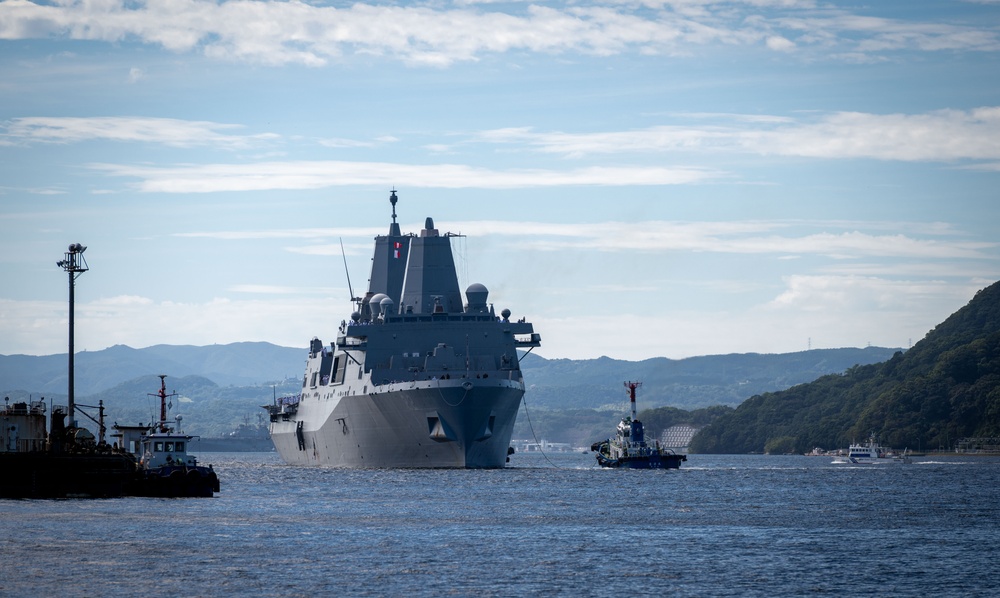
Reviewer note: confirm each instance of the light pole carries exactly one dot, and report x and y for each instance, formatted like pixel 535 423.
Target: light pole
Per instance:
pixel 75 265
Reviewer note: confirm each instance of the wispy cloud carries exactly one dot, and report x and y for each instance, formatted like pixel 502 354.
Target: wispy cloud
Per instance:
pixel 142 322
pixel 939 136
pixel 296 233
pixel 967 138
pixel 806 311
pixel 936 136
pixel 264 289
pixel 857 293
pixel 272 32
pixel 166 131
pixel 209 178
pixel 737 238
pixel 837 240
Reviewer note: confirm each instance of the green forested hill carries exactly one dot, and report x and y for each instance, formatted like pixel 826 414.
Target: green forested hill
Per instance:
pixel 945 388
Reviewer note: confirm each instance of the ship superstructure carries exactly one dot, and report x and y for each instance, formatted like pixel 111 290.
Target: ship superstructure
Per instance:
pixel 417 377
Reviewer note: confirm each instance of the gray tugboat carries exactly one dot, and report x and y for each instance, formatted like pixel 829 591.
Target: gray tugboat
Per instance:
pixel 165 467
pixel 417 377
pixel 629 448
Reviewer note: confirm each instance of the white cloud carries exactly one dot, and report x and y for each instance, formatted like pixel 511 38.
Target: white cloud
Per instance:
pixel 880 34
pixel 897 302
pixel 713 237
pixel 345 143
pixel 939 136
pixel 265 289
pixel 943 135
pixel 270 32
pixel 821 313
pixel 837 240
pixel 286 321
pixel 776 42
pixel 166 131
pixel 209 178
pixel 297 233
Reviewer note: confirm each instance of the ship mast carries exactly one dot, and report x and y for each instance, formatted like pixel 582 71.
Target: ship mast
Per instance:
pixel 394 228
pixel 631 386
pixel 163 403
pixel 74 265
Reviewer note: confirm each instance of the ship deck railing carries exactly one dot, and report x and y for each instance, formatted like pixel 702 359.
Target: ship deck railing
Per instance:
pixel 26 445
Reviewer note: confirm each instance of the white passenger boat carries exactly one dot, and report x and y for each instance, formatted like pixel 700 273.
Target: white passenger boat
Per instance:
pixel 872 453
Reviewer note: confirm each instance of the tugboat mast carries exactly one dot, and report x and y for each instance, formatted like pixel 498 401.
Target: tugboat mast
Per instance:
pixel 163 403
pixel 75 265
pixel 631 386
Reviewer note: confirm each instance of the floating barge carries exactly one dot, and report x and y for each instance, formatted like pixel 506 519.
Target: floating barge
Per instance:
pixel 68 461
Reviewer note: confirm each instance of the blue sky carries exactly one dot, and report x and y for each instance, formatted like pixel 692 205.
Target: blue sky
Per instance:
pixel 638 179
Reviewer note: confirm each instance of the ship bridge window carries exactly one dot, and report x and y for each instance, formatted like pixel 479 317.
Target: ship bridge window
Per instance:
pixel 158 447
pixel 339 369
pixel 179 447
pixel 168 447
pixel 324 368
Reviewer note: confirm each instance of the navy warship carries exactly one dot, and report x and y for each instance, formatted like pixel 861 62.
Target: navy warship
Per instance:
pixel 416 378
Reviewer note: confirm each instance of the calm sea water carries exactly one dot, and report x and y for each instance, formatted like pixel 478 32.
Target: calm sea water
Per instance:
pixel 720 526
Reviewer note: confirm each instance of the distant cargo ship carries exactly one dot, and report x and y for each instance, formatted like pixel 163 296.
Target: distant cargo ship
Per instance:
pixel 246 438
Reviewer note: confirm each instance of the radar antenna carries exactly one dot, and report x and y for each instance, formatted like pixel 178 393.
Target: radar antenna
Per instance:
pixel 350 289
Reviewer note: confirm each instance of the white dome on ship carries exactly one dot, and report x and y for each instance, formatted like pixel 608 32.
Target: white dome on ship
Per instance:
pixel 476 296
pixel 387 304
pixel 375 303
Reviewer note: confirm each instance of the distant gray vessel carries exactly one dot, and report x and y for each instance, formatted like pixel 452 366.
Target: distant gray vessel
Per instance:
pixel 416 378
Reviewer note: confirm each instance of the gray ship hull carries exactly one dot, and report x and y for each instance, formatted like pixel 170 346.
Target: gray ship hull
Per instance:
pixel 433 425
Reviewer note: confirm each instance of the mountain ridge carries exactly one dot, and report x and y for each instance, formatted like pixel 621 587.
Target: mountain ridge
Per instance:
pixel 223 386
pixel 555 383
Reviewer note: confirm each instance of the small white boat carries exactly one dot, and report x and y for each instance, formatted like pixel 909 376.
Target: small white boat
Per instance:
pixel 871 453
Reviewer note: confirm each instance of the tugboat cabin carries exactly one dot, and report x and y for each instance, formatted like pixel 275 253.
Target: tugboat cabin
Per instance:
pixel 155 449
pixel 159 450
